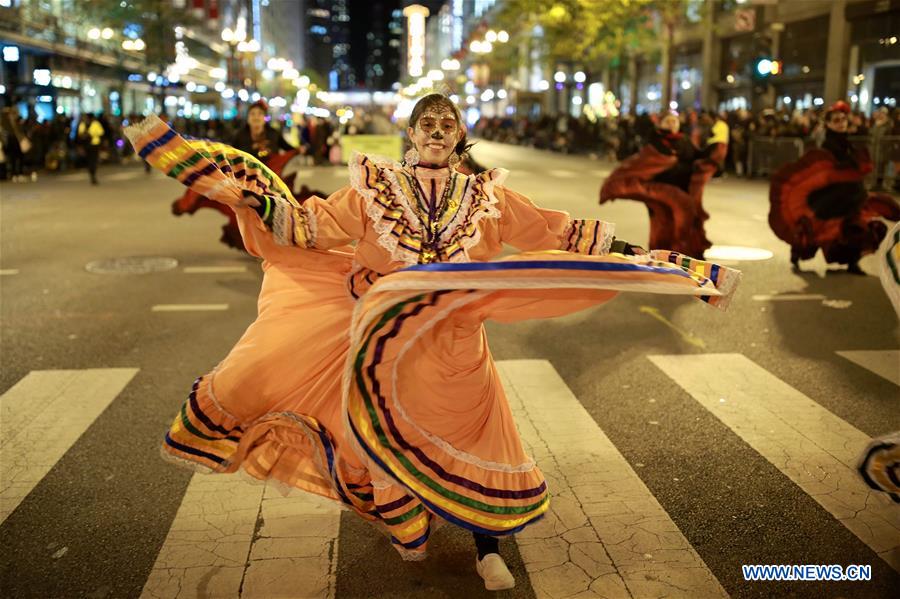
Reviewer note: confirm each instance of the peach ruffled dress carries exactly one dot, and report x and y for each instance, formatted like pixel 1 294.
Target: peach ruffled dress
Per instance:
pixel 366 377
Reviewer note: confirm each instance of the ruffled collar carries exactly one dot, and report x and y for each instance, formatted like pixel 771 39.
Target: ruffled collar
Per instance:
pixel 387 188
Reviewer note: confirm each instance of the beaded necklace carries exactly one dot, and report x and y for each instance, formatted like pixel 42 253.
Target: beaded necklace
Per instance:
pixel 431 221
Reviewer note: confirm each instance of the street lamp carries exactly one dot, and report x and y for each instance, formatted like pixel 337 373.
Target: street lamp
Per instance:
pixel 237 45
pixel 415 25
pixel 250 47
pixel 137 44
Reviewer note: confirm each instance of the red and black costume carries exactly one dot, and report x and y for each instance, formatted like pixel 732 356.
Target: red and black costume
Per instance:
pixel 820 202
pixel 668 176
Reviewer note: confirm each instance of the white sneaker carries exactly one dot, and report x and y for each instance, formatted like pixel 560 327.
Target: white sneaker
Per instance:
pixel 493 570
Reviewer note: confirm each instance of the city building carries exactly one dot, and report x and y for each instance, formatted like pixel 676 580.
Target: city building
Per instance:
pixel 200 58
pixel 326 26
pixel 380 24
pixel 724 54
pixel 824 51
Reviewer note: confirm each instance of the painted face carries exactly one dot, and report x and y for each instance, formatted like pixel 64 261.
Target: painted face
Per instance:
pixel 670 123
pixel 436 134
pixel 838 122
pixel 256 118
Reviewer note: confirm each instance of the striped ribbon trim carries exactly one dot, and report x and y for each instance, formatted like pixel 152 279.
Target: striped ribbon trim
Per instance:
pixel 589 237
pixel 220 172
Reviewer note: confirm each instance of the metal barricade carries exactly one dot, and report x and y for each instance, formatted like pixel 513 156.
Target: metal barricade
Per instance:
pixel 884 153
pixel 766 155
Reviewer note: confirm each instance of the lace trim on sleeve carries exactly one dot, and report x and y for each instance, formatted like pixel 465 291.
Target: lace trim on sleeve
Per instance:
pixel 293 225
pixel 588 236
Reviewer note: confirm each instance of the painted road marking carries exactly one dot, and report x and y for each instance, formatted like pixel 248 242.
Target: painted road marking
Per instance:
pixel 884 362
pixel 9 271
pixel 605 534
pixel 188 307
pixel 209 270
pixel 789 297
pixel 561 173
pixel 214 549
pixel 736 252
pixel 125 176
pixel 42 416
pixel 689 338
pixel 814 448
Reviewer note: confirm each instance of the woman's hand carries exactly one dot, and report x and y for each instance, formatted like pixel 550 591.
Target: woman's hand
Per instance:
pixel 620 246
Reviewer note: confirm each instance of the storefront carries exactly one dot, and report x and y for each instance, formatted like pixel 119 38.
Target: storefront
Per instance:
pixel 874 70
pixel 735 85
pixel 687 76
pixel 802 44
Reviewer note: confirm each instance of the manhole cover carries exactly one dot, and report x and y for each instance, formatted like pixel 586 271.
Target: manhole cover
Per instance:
pixel 131 265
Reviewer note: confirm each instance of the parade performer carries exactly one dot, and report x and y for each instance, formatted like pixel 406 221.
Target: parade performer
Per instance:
pixel 820 201
pixel 366 377
pixel 263 141
pixel 668 176
pixel 258 137
pixel 879 464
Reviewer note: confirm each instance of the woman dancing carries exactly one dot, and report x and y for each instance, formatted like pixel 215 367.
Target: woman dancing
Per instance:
pixel 366 377
pixel 820 201
pixel 668 176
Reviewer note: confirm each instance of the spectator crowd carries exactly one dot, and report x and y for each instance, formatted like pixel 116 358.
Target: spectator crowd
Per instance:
pixel 28 145
pixel 617 138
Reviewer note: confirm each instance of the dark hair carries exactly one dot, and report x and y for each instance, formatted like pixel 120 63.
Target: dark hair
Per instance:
pixel 260 104
pixel 442 101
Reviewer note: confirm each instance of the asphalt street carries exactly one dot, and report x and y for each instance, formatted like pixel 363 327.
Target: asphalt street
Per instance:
pixel 748 486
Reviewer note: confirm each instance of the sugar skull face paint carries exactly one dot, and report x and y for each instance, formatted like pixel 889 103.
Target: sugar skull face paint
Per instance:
pixel 435 130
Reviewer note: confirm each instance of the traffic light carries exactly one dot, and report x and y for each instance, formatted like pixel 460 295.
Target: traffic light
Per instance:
pixel 764 67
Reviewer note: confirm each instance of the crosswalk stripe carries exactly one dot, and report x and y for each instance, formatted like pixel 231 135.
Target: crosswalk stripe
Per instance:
pixel 9 271
pixel 605 534
pixel 807 443
pixel 885 362
pixel 42 416
pixel 214 549
pixel 561 173
pixel 188 307
pixel 124 176
pixel 209 270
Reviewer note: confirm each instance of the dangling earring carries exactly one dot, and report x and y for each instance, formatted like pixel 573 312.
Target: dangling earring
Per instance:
pixel 411 158
pixel 454 161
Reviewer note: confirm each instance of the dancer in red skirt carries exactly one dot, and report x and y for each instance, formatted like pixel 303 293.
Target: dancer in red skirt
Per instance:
pixel 668 176
pixel 820 201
